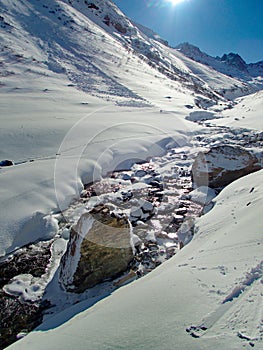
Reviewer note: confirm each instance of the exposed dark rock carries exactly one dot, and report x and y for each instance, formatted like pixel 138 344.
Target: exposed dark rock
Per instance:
pixel 32 259
pixel 98 250
pixel 17 316
pixel 233 59
pixel 140 173
pixel 107 20
pixel 6 162
pixel 222 165
pixel 120 28
pixel 92 6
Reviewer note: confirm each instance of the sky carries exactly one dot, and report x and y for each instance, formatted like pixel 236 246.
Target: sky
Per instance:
pixel 215 26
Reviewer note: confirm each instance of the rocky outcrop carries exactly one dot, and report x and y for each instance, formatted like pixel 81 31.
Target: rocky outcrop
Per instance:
pixel 222 165
pixel 120 28
pixel 234 60
pixel 99 249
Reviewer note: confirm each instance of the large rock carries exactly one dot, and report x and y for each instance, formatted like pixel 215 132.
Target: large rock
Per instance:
pixel 222 165
pixel 99 249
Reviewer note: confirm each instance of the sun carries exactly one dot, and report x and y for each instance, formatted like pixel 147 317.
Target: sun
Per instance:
pixel 174 2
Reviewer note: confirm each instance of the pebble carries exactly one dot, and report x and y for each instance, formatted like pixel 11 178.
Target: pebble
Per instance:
pixel 140 173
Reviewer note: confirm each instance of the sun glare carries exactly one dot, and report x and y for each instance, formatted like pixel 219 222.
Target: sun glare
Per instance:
pixel 174 2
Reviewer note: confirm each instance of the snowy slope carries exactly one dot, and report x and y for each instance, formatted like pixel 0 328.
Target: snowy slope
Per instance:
pixel 97 138
pixel 226 85
pixel 211 290
pixel 48 109
pixel 83 91
pixel 247 113
pixel 37 62
pixel 50 51
pixel 87 41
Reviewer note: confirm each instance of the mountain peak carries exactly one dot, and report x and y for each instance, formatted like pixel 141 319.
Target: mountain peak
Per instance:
pixel 231 64
pixel 235 60
pixel 189 48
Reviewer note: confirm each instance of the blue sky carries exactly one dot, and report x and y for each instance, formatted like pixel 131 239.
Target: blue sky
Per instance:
pixel 215 26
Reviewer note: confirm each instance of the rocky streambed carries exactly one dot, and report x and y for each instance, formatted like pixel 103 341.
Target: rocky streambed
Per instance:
pixel 122 227
pixel 17 315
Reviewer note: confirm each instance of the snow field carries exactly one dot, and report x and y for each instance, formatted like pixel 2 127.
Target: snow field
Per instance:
pixel 189 290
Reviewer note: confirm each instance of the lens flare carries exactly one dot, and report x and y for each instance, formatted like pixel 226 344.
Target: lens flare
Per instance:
pixel 174 2
pixel 162 3
pixel 155 3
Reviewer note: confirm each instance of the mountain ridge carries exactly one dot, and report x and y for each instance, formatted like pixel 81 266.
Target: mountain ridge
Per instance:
pixel 85 39
pixel 95 108
pixel 239 68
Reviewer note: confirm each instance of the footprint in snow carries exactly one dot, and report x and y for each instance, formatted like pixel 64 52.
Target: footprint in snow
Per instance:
pixel 196 331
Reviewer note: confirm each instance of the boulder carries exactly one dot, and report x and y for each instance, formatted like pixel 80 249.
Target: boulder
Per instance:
pixel 99 249
pixel 222 165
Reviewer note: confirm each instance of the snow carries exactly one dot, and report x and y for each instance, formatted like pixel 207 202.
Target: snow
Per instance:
pixel 80 99
pixel 82 158
pixel 199 286
pixel 31 289
pixel 247 113
pixel 233 88
pixel 55 132
pixel 82 138
pixel 202 195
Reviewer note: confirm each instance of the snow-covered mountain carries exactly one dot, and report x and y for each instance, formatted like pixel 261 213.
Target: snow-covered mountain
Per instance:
pixel 230 64
pixel 84 93
pixel 86 40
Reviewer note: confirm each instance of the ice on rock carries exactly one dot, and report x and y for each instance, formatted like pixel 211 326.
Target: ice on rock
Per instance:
pixel 185 232
pixel 25 286
pixel 151 236
pixel 136 212
pixel 65 233
pixel 146 206
pixel 135 240
pixel 140 173
pixel 126 176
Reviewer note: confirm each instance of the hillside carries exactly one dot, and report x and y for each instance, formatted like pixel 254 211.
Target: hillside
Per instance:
pixel 97 109
pixel 86 41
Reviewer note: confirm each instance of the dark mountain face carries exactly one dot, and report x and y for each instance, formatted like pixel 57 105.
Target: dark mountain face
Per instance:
pixel 233 59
